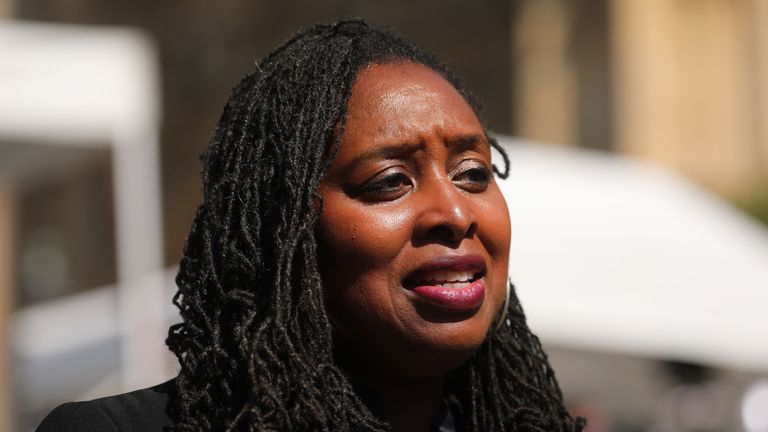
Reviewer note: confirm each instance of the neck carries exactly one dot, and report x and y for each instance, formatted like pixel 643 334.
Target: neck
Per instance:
pixel 407 405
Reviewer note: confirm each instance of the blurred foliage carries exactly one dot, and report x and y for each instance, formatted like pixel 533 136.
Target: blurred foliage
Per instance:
pixel 756 202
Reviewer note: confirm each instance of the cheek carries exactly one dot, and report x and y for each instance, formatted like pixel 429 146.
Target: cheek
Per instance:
pixel 362 234
pixel 357 249
pixel 495 226
pixel 495 232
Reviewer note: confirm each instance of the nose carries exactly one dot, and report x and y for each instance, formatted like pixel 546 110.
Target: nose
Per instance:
pixel 447 215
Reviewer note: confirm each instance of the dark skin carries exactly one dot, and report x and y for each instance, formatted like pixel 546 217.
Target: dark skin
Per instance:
pixel 412 183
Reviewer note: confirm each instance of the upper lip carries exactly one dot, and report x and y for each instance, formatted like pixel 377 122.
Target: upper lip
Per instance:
pixel 473 263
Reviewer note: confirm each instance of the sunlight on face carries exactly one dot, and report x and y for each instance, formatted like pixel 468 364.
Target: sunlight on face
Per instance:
pixel 414 233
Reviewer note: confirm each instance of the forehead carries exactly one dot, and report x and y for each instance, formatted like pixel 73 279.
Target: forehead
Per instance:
pixel 405 102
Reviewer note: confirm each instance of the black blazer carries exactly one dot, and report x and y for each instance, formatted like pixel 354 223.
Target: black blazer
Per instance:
pixel 141 410
pixel 146 411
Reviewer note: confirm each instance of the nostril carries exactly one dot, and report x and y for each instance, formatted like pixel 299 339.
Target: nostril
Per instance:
pixel 440 232
pixel 471 231
pixel 447 233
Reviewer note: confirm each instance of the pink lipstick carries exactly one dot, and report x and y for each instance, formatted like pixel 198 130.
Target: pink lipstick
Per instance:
pixel 450 282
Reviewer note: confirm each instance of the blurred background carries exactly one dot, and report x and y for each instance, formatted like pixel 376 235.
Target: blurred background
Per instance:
pixel 638 189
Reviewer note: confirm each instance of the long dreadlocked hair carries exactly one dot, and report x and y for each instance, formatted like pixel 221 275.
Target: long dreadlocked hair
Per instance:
pixel 255 342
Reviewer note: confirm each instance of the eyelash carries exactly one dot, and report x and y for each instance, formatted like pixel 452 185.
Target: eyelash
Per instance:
pixel 382 188
pixel 390 186
pixel 479 183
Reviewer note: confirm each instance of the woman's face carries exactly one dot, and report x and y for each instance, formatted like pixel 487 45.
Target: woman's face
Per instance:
pixel 414 232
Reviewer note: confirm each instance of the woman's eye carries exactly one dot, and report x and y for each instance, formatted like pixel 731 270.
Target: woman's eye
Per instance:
pixel 387 187
pixel 474 179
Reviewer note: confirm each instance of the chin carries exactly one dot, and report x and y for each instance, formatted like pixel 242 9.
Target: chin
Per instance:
pixel 448 346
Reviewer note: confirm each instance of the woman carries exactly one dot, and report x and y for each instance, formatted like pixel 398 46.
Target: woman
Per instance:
pixel 347 269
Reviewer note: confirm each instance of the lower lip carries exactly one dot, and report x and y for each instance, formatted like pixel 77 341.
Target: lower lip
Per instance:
pixel 468 297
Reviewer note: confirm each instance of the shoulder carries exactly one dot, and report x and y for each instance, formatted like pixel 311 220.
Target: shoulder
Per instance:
pixel 140 410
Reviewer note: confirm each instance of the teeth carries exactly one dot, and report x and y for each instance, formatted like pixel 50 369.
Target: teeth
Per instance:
pixel 449 279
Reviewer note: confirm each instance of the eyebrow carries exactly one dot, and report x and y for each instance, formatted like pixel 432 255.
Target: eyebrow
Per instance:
pixel 395 151
pixel 399 151
pixel 466 142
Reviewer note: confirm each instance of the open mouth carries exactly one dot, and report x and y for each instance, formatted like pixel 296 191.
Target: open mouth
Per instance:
pixel 446 279
pixel 455 283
